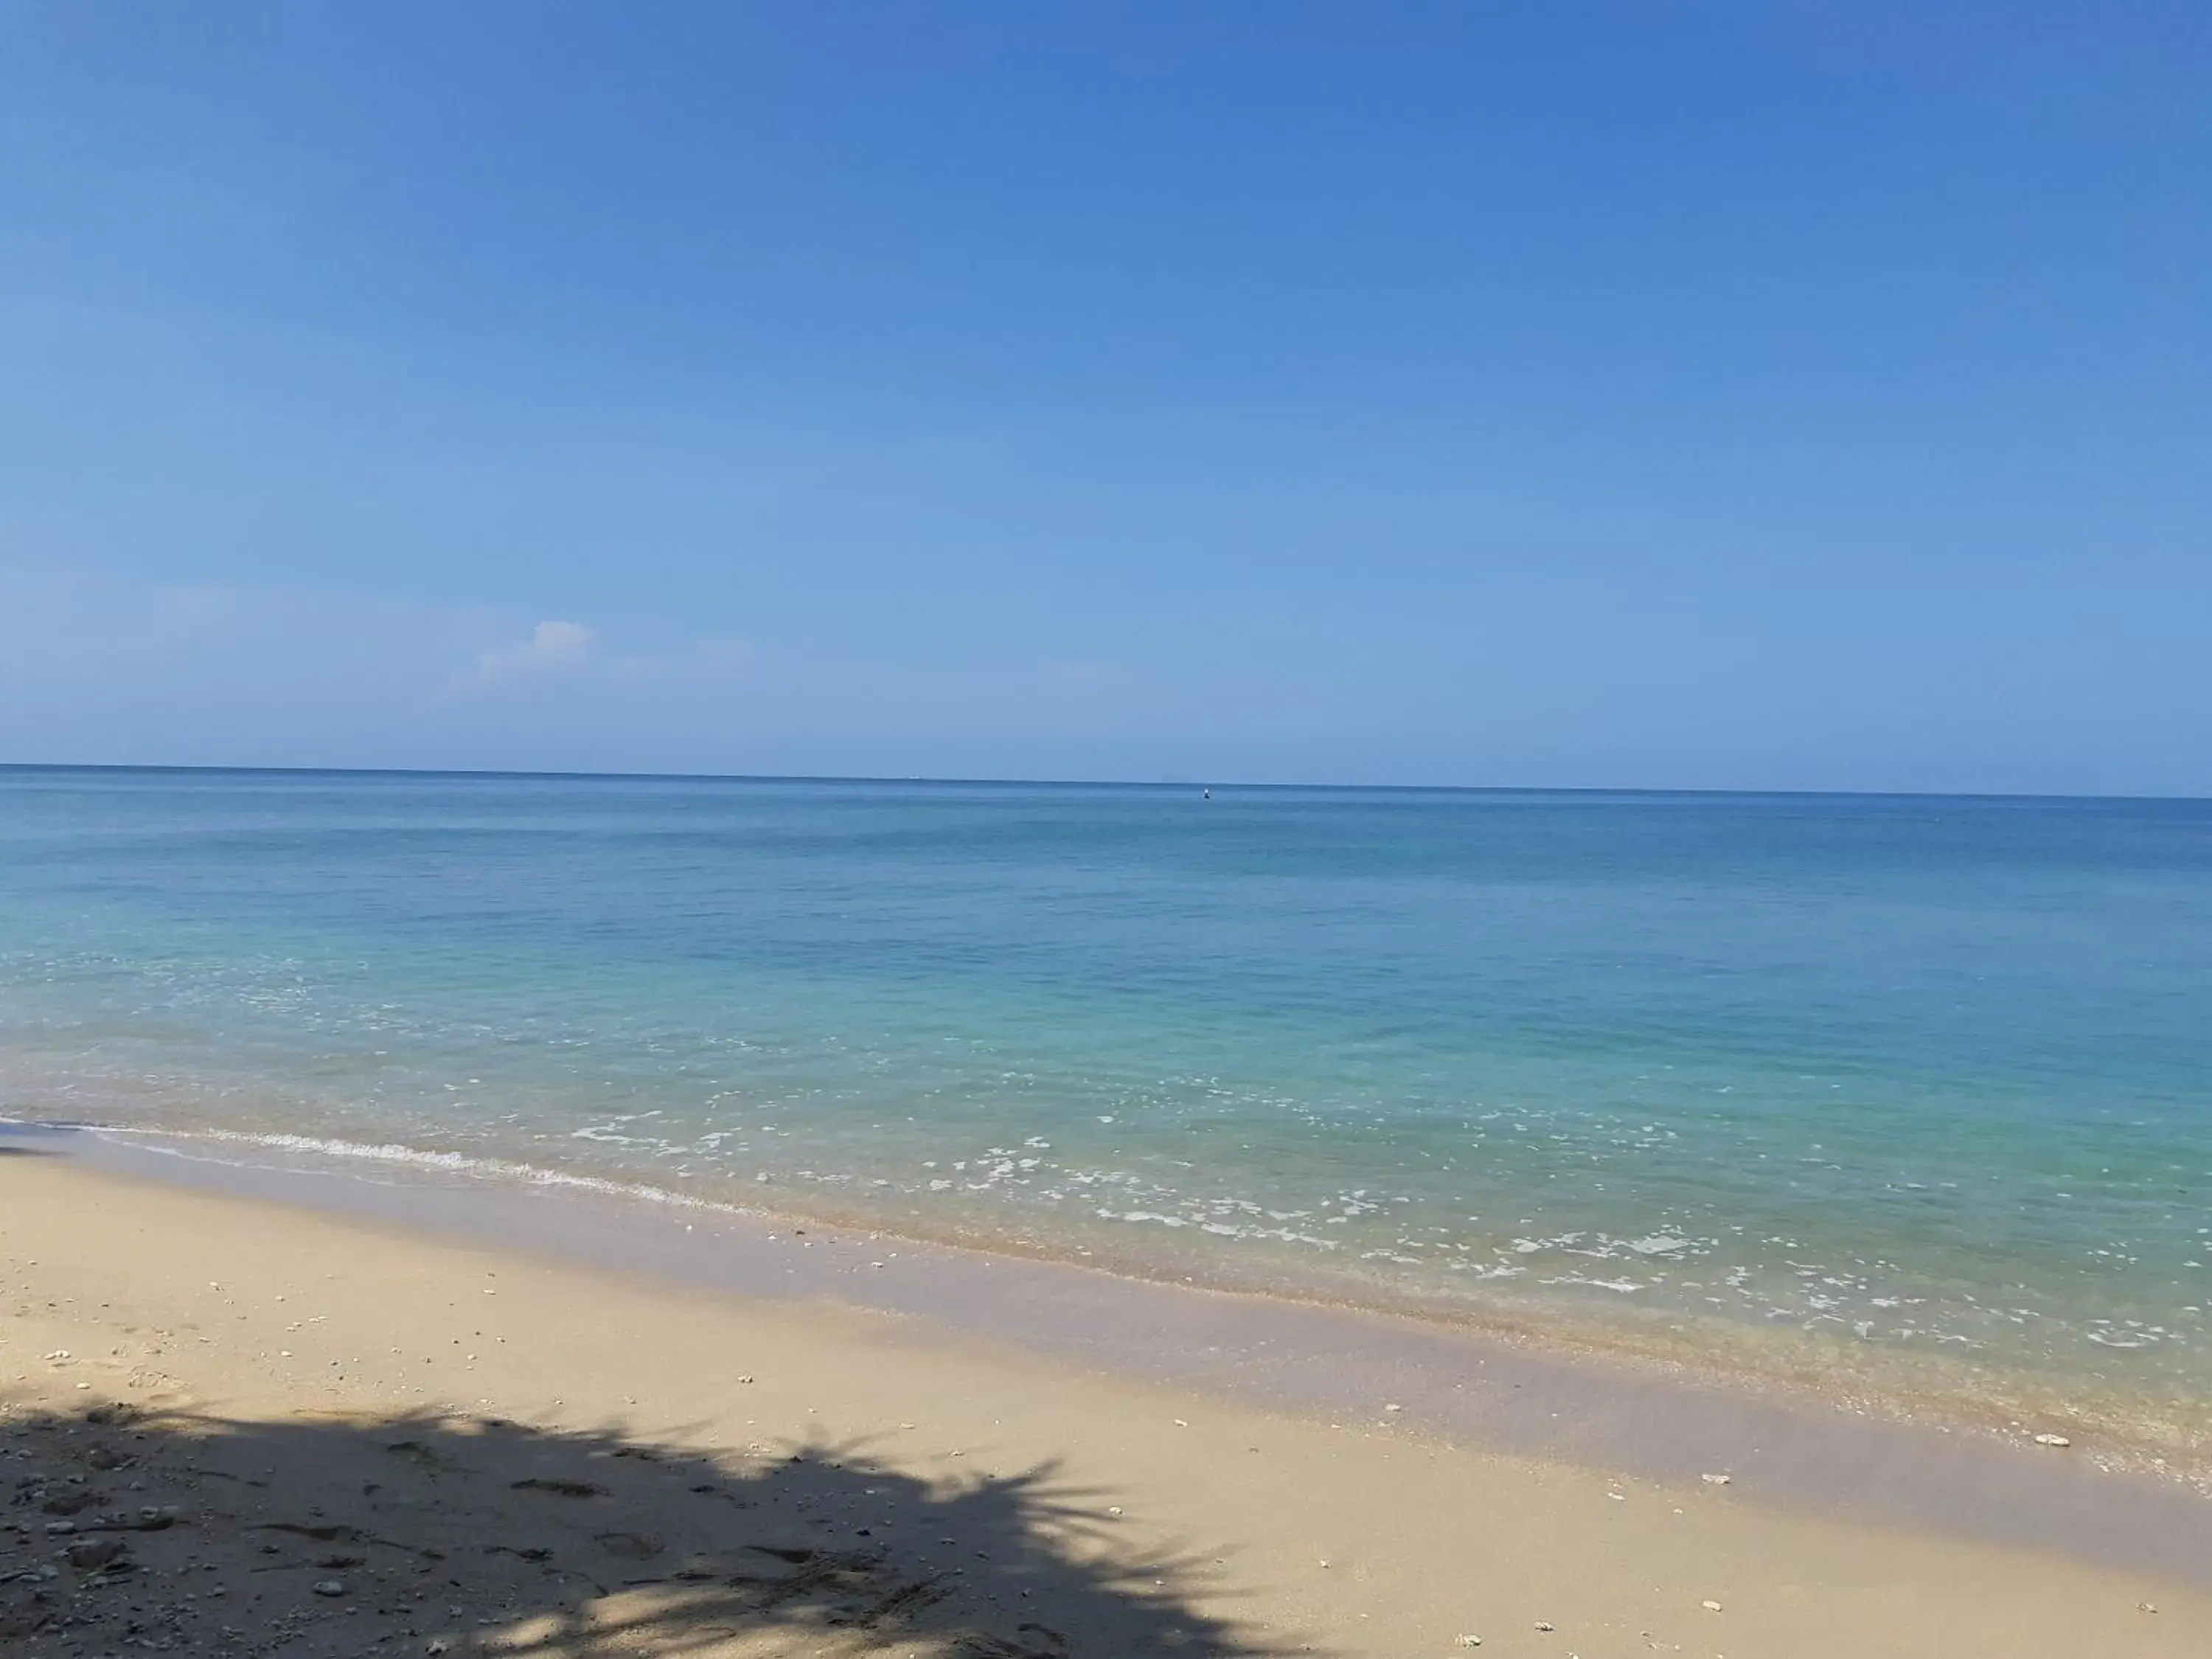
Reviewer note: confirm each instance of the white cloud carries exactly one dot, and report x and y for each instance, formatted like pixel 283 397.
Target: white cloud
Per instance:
pixel 552 646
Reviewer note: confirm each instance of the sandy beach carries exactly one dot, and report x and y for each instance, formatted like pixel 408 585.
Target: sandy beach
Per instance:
pixel 238 1426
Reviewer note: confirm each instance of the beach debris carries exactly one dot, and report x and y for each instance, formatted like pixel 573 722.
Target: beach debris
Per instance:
pixel 1394 1409
pixel 2145 1607
pixel 2052 1440
pixel 1545 1624
pixel 330 1586
pixel 1710 1607
pixel 321 1535
pixel 1113 1508
pixel 1714 1479
pixel 1467 1641
pixel 744 1379
pixel 436 1645
pixel 152 1518
pixel 1181 1423
pixel 95 1552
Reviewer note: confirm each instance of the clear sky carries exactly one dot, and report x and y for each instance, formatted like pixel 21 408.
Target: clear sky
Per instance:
pixel 1764 395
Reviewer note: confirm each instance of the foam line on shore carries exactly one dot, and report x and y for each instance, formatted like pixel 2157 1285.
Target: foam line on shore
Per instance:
pixel 1338 1363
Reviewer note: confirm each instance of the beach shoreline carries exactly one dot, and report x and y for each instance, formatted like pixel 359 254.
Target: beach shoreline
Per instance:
pixel 1785 1383
pixel 1683 1088
pixel 1108 1382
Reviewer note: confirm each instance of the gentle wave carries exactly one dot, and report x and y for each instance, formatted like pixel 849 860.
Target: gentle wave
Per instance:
pixel 416 1157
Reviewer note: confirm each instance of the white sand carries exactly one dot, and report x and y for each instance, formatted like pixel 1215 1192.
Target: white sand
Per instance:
pixel 308 1395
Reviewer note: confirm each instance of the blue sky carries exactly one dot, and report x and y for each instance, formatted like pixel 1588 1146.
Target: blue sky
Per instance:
pixel 1780 395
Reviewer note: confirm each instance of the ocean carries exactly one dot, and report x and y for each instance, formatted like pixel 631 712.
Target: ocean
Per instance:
pixel 1907 1100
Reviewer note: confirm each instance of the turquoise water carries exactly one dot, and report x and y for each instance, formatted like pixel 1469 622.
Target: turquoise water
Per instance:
pixel 1907 1090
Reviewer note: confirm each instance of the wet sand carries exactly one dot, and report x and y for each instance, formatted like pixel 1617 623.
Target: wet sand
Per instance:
pixel 480 1419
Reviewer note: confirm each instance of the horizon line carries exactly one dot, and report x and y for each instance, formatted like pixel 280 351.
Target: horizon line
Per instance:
pixel 570 775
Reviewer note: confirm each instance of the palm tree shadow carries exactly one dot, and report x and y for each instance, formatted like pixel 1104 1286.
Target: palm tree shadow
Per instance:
pixel 428 1534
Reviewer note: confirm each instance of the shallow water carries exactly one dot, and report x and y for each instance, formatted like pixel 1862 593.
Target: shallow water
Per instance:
pixel 1916 1093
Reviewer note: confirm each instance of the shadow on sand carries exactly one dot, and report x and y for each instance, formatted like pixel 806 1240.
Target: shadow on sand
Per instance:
pixel 360 1536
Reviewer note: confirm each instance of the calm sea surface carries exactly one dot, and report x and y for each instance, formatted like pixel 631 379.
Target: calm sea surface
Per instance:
pixel 1914 1095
